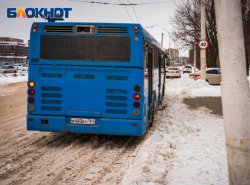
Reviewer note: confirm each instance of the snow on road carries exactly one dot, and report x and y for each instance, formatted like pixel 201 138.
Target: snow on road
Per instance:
pixel 6 78
pixel 188 146
pixel 184 146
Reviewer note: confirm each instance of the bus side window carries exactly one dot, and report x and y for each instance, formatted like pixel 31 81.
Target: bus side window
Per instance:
pixel 145 68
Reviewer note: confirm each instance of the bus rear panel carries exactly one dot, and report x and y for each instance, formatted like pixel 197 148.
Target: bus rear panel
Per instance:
pixel 86 80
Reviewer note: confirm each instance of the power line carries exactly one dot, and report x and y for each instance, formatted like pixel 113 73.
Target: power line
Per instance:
pixel 127 12
pixel 134 12
pixel 122 4
pixel 157 26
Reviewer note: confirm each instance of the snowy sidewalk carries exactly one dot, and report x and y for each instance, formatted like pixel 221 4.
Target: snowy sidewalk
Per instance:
pixel 6 78
pixel 188 147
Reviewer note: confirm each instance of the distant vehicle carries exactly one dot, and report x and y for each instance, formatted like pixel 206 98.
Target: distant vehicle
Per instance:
pixel 18 66
pixel 187 69
pixel 25 68
pixel 173 72
pixel 213 76
pixel 8 69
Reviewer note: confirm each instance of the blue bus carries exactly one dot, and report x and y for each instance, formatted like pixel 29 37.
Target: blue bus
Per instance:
pixel 94 78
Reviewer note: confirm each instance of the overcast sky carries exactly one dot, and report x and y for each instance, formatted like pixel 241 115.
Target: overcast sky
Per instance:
pixel 155 14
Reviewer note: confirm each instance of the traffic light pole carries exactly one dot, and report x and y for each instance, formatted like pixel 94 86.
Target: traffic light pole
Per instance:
pixel 234 89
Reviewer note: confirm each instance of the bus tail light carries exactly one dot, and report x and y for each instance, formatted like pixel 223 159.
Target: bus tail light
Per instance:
pixel 31 92
pixel 35 25
pixel 137 104
pixel 31 84
pixel 44 122
pixel 136 112
pixel 137 96
pixel 137 88
pixel 31 99
pixel 136 27
pixel 31 108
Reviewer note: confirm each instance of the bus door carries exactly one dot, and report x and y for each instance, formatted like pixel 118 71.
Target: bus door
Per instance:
pixel 150 81
pixel 160 75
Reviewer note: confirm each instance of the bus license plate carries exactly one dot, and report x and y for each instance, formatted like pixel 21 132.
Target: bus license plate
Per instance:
pixel 83 121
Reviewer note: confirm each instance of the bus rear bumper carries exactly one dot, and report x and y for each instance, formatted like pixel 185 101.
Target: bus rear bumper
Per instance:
pixel 101 126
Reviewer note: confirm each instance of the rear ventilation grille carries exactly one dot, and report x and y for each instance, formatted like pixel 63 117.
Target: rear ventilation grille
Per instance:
pixel 52 75
pixel 110 104
pixel 51 108
pixel 51 95
pixel 122 98
pixel 47 88
pixel 116 111
pixel 117 91
pixel 58 29
pixel 123 78
pixel 56 102
pixel 84 76
pixel 112 30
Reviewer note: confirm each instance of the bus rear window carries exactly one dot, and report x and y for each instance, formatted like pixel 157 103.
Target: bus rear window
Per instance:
pixel 85 48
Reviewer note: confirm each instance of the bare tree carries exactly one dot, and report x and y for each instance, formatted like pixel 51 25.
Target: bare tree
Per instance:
pixel 186 22
pixel 245 9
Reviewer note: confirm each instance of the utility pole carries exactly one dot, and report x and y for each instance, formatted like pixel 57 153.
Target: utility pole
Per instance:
pixel 203 36
pixel 234 89
pixel 162 35
pixel 194 58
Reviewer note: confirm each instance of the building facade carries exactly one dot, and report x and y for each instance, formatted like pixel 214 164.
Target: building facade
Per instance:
pixel 13 51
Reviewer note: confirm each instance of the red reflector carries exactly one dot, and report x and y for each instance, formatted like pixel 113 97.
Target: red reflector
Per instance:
pixel 31 92
pixel 31 99
pixel 177 71
pixel 167 71
pixel 135 124
pixel 137 104
pixel 196 75
pixel 136 27
pixel 137 88
pixel 35 25
pixel 143 123
pixel 137 96
pixel 30 119
pixel 44 121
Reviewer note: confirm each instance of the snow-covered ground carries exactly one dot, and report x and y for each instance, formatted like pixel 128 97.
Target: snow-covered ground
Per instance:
pixel 185 146
pixel 13 77
pixel 188 147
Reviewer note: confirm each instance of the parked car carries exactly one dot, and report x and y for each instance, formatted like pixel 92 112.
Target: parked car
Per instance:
pixel 173 72
pixel 187 69
pixel 8 69
pixel 26 67
pixel 18 66
pixel 213 76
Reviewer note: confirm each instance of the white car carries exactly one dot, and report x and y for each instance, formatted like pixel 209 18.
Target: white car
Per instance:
pixel 187 69
pixel 18 66
pixel 173 72
pixel 8 69
pixel 25 68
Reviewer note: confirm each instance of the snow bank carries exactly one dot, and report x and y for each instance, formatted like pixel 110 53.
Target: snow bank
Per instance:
pixel 186 86
pixel 188 147
pixel 13 77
